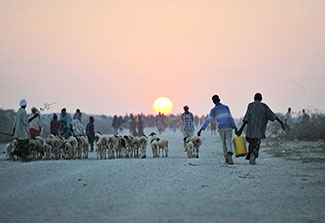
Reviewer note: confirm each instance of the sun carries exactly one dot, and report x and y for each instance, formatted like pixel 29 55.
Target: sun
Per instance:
pixel 163 105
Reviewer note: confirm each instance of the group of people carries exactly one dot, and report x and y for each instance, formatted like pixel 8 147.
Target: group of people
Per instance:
pixel 256 118
pixel 26 127
pixel 134 123
pixel 67 126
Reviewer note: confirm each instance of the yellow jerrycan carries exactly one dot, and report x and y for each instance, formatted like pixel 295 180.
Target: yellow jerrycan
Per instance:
pixel 240 146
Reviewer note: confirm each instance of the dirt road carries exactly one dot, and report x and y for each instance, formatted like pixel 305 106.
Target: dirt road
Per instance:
pixel 173 189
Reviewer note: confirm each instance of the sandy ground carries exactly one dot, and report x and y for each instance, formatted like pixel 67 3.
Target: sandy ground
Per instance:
pixel 173 189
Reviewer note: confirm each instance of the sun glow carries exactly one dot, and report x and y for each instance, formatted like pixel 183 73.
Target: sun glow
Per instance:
pixel 163 105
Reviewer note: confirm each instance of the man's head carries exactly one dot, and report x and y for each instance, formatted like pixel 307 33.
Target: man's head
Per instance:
pixel 78 110
pixel 215 99
pixel 303 111
pixel 63 111
pixel 289 109
pixel 55 117
pixel 91 119
pixel 34 110
pixel 23 103
pixel 186 108
pixel 258 97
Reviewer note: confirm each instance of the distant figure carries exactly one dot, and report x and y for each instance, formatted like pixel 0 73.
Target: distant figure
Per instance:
pixel 64 126
pixel 116 124
pixel 133 125
pixel 21 131
pixel 35 126
pixel 288 120
pixel 160 122
pixel 188 124
pixel 90 132
pixel 54 125
pixel 305 117
pixel 221 114
pixel 140 126
pixel 256 118
pixel 213 125
pixel 77 115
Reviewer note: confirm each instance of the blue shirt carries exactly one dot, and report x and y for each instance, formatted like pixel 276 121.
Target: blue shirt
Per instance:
pixel 66 119
pixel 188 122
pixel 222 115
pixel 90 130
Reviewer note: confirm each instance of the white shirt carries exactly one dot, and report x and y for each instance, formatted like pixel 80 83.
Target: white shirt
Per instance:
pixel 36 123
pixel 21 125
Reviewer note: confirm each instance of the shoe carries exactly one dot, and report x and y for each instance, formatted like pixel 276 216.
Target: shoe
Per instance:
pixel 229 158
pixel 252 159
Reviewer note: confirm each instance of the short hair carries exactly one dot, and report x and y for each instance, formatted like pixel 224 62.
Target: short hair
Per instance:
pixel 215 98
pixel 91 118
pixel 78 110
pixel 186 107
pixel 258 97
pixel 63 109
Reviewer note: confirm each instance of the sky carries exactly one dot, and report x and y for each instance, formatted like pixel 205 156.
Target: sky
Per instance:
pixel 117 56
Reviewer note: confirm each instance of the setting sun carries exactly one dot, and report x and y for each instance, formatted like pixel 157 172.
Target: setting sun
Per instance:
pixel 163 105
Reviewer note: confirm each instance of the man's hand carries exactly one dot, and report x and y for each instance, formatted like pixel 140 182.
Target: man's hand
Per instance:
pixel 199 133
pixel 239 132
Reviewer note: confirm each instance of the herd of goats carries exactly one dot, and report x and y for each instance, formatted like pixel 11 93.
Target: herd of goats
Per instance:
pixel 107 147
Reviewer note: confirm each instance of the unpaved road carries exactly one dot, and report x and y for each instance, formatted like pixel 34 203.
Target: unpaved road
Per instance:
pixel 173 189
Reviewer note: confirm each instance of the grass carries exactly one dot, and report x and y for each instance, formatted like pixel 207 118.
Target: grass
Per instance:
pixel 304 153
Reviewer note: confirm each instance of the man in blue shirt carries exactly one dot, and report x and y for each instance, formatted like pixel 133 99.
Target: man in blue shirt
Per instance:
pixel 65 121
pixel 188 126
pixel 221 114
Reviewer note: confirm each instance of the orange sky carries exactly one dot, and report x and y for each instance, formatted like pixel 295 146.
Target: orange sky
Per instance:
pixel 117 57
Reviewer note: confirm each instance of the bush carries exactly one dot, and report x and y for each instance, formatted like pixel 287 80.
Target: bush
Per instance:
pixel 314 129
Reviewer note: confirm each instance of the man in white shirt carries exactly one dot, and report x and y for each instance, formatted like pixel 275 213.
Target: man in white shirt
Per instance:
pixel 21 131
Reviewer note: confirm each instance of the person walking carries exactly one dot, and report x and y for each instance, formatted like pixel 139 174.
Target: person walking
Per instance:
pixel 54 125
pixel 288 120
pixel 221 114
pixel 65 121
pixel 256 118
pixel 21 131
pixel 35 126
pixel 140 126
pixel 90 132
pixel 77 115
pixel 305 117
pixel 116 124
pixel 188 124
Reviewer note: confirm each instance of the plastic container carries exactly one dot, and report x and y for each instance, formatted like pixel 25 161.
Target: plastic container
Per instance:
pixel 240 146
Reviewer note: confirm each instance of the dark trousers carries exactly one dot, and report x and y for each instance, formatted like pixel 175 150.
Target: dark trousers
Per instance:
pixel 253 147
pixel 22 148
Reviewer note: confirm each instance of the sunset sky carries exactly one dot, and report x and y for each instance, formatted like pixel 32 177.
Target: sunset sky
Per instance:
pixel 117 56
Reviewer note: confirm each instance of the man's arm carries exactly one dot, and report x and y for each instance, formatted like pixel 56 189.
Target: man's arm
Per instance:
pixel 239 132
pixel 282 124
pixel 32 118
pixel 206 123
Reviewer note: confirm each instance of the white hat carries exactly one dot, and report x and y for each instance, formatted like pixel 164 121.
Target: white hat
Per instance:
pixel 23 102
